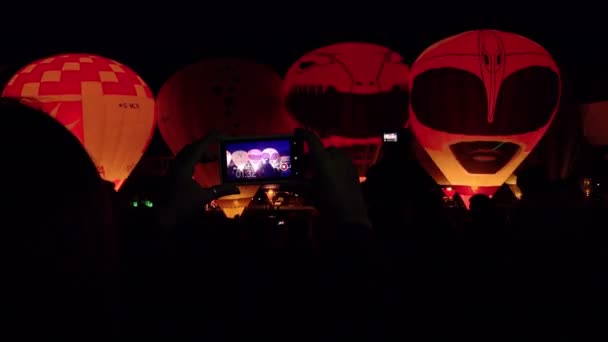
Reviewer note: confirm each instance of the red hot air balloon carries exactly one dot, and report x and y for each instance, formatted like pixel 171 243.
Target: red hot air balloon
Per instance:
pixel 349 93
pixel 480 102
pixel 595 118
pixel 236 97
pixel 104 103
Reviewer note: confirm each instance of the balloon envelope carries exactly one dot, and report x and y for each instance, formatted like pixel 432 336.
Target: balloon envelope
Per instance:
pixel 595 123
pixel 255 158
pixel 271 156
pixel 480 101
pixel 104 103
pixel 349 93
pixel 240 159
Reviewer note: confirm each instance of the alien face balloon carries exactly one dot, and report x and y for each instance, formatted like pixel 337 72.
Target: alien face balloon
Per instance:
pixel 349 93
pixel 480 102
pixel 353 90
pixel 271 156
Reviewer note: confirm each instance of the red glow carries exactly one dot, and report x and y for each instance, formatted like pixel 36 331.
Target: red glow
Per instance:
pixel 448 191
pixel 595 120
pixel 349 93
pixel 102 102
pixel 480 102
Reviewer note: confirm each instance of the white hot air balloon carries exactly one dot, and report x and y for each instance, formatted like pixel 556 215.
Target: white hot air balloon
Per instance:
pixel 240 158
pixel 255 158
pixel 228 158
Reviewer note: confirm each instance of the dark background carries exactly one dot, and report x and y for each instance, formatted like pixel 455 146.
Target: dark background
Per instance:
pixel 159 38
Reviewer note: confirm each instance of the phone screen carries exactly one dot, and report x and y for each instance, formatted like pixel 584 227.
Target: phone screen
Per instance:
pixel 390 137
pixel 260 160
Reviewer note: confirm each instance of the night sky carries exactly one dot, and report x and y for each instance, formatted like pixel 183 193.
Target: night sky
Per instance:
pixel 156 41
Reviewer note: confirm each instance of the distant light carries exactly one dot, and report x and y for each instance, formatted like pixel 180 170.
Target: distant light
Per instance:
pixel 134 204
pixel 449 188
pixel 148 204
pixel 281 223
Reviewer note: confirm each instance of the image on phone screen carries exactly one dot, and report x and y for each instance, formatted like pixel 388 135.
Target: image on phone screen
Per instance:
pixel 390 137
pixel 259 160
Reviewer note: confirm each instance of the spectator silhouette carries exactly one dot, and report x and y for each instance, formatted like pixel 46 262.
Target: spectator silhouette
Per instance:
pixel 486 222
pixel 341 299
pixel 62 280
pixel 267 170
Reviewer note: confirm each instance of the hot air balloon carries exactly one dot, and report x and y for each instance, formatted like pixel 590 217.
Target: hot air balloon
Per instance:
pixel 255 158
pixel 102 102
pixel 595 128
pixel 236 97
pixel 349 93
pixel 284 163
pixel 595 124
pixel 228 158
pixel 480 101
pixel 240 159
pixel 271 156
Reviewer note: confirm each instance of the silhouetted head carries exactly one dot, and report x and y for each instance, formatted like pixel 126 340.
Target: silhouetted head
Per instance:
pixel 482 206
pixel 531 180
pixel 485 218
pixel 58 224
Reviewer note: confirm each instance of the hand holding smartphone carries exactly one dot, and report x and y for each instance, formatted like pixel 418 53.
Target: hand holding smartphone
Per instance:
pixel 261 160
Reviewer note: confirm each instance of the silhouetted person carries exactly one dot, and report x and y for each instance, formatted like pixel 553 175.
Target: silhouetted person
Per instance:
pixel 329 299
pixel 486 223
pixel 62 279
pixel 267 171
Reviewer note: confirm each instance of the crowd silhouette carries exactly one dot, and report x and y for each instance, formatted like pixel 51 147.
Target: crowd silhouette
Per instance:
pixel 382 260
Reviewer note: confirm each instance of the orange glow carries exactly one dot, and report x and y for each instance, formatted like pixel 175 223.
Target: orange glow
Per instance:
pixel 516 191
pixel 270 194
pixel 349 93
pixel 587 186
pixel 102 102
pixel 480 102
pixel 448 192
pixel 236 204
pixel 512 184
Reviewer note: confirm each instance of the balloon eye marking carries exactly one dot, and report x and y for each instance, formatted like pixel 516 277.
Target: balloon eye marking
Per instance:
pixel 306 64
pixel 486 59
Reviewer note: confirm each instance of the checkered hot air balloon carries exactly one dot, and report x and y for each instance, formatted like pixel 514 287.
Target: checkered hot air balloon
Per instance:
pixel 102 102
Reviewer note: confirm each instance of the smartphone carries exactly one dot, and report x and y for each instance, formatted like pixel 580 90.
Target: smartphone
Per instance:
pixel 390 137
pixel 261 160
